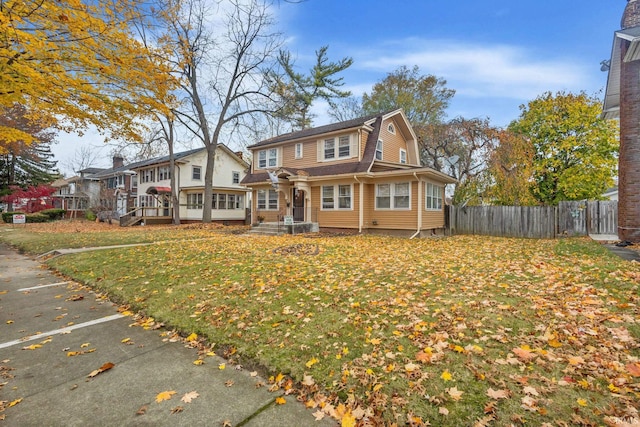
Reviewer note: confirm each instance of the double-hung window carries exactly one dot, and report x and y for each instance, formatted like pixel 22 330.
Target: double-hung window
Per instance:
pixel 298 153
pixel 403 156
pixel 268 158
pixel 196 173
pixel 433 197
pixel 336 197
pixel 222 201
pixel 344 146
pixel 401 195
pixel 339 148
pixel 328 200
pixel 267 200
pixel 235 177
pixel 393 196
pixel 344 196
pixel 329 149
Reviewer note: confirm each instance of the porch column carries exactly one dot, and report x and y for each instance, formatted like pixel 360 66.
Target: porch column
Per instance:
pixel 420 204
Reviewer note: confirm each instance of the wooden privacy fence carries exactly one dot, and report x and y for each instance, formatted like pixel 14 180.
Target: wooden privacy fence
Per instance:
pixel 542 222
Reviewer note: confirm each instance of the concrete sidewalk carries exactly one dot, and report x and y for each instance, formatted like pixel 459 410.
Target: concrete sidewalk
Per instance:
pixel 43 320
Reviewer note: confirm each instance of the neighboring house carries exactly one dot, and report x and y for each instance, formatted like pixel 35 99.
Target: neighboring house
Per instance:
pixel 118 188
pixel 611 194
pixel 154 187
pixel 361 174
pixel 77 194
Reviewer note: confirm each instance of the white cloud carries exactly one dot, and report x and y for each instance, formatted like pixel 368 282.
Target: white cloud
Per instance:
pixel 479 70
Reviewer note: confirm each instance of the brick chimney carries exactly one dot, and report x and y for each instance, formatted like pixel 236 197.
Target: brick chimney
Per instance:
pixel 118 161
pixel 629 160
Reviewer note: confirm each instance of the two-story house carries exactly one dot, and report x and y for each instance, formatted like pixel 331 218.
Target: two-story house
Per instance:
pixel 79 193
pixel 154 187
pixel 118 188
pixel 362 174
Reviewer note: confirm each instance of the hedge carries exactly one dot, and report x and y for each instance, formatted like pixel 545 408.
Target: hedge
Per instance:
pixel 53 214
pixel 31 218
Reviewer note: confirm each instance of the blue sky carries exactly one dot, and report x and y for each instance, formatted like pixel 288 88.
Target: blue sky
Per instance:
pixel 496 54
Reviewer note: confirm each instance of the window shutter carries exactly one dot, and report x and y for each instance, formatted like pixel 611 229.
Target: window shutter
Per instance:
pixel 354 146
pixel 320 151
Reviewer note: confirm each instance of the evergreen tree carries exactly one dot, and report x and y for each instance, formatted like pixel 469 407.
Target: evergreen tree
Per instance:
pixel 24 164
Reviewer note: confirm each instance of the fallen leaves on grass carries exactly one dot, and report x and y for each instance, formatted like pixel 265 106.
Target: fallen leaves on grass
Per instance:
pixel 522 329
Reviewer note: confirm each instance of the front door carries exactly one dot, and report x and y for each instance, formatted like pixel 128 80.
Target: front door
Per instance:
pixel 298 205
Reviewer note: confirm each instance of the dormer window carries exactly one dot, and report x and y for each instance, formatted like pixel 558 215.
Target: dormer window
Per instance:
pixel 336 148
pixel 391 128
pixel 379 150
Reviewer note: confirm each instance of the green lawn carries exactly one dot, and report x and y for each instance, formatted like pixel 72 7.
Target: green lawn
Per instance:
pixel 452 331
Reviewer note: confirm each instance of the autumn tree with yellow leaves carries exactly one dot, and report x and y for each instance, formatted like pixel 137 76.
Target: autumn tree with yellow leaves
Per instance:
pixel 77 64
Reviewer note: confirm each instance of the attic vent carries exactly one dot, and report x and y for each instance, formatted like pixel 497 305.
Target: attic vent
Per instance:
pixel 391 128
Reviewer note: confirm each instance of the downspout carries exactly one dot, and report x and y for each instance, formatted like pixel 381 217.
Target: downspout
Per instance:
pixel 360 204
pixel 419 207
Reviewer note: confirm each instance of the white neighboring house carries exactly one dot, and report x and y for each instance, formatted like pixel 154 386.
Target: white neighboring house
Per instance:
pixel 611 194
pixel 154 187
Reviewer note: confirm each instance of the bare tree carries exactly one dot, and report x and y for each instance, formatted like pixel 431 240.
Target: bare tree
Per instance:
pixel 84 157
pixel 224 73
pixel 346 109
pixel 460 148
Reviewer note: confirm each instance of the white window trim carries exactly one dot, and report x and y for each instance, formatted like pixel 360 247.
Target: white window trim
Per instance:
pixel 392 194
pixel 266 200
pixel 391 129
pixel 403 151
pixel 427 196
pixel 233 177
pixel 199 204
pixel 267 158
pixel 336 148
pixel 296 154
pixel 193 168
pixel 336 198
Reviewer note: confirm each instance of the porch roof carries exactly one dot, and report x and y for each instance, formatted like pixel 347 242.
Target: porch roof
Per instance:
pixel 158 190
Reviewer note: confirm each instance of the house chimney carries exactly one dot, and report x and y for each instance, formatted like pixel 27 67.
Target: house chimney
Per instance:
pixel 118 161
pixel 629 158
pixel 631 15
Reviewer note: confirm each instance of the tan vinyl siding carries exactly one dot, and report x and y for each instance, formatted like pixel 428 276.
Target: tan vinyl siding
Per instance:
pixel 392 219
pixel 337 218
pixel 308 159
pixel 392 143
pixel 364 135
pixel 431 218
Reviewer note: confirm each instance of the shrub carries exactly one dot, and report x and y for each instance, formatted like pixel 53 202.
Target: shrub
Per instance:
pixel 37 217
pixel 53 214
pixel 8 216
pixel 90 216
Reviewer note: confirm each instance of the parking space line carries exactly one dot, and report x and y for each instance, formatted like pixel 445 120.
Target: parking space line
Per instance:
pixel 61 330
pixel 41 286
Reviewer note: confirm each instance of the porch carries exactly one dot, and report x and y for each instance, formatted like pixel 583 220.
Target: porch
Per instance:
pixel 279 228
